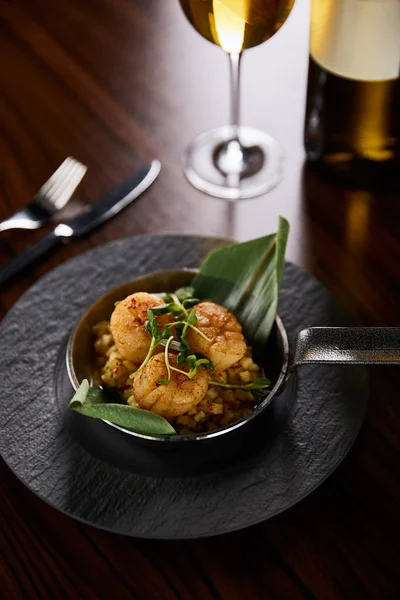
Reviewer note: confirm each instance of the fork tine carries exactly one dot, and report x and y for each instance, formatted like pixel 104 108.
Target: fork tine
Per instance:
pixel 59 173
pixel 59 182
pixel 70 178
pixel 64 193
pixel 52 196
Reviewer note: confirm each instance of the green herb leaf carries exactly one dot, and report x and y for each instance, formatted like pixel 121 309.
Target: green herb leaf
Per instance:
pixel 245 278
pixel 91 401
pixel 177 310
pixel 179 329
pixel 258 389
pixel 190 302
pixel 195 361
pixel 166 333
pixel 161 310
pixel 190 360
pixel 175 346
pixel 202 362
pixel 182 356
pixel 192 319
pixel 151 325
pixel 150 315
pixel 206 363
pixel 261 382
pixel 184 293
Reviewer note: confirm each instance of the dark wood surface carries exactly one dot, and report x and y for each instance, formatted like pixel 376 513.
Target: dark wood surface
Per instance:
pixel 116 83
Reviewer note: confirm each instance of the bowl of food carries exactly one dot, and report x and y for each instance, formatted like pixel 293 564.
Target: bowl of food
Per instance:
pixel 222 390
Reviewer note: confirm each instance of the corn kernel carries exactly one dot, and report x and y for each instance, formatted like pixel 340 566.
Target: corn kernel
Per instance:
pixel 100 347
pixel 212 393
pixel 228 414
pixel 245 377
pixel 130 366
pixel 101 327
pixel 132 402
pixel 254 367
pixel 228 396
pixel 220 376
pixel 241 395
pixel 246 362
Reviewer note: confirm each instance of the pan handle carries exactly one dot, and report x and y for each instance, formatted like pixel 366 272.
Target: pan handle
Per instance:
pixel 348 345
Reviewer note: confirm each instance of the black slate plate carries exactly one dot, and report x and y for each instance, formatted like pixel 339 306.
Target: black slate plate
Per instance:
pixel 42 447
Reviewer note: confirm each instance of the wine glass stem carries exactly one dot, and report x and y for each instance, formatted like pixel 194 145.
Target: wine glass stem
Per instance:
pixel 234 62
pixel 229 157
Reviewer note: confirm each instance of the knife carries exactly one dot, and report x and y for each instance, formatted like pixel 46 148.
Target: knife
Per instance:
pixel 93 216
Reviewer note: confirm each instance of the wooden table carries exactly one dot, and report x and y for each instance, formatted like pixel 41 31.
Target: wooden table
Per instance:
pixel 116 83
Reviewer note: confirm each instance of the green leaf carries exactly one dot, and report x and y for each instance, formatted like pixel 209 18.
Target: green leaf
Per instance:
pixel 150 315
pixel 192 319
pixel 245 278
pixel 191 359
pixel 181 358
pixel 184 293
pixel 176 346
pixel 190 302
pixel 262 382
pixel 151 325
pixel 91 401
pixel 196 360
pixel 81 394
pixel 206 363
pixel 160 310
pixel 166 334
pixel 176 310
pixel 179 329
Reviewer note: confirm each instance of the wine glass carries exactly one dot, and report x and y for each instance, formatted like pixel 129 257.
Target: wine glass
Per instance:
pixel 234 161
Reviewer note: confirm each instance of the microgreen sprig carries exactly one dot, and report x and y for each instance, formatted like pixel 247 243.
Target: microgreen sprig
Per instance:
pixel 163 334
pixel 260 386
pixel 167 363
pixel 156 333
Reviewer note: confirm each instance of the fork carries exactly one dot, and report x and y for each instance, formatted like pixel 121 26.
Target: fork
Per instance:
pixel 51 197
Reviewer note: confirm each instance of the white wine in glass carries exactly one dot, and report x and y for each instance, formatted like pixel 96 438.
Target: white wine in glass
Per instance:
pixel 234 161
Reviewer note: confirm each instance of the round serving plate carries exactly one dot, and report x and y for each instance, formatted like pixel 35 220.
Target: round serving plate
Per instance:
pixel 93 473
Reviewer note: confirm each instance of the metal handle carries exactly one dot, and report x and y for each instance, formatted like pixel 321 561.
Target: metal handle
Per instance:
pixel 26 258
pixel 20 220
pixel 348 345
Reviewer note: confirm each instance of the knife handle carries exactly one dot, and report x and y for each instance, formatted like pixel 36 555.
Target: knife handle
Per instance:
pixel 23 260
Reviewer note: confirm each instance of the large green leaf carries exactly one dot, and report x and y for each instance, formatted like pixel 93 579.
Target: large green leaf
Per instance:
pixel 245 278
pixel 92 402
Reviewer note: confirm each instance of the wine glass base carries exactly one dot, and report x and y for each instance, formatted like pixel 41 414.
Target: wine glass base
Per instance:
pixel 212 170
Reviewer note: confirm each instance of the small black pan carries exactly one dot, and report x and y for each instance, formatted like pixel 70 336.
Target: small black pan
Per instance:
pixel 316 345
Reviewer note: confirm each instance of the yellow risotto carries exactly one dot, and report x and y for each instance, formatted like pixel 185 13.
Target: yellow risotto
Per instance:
pixel 219 407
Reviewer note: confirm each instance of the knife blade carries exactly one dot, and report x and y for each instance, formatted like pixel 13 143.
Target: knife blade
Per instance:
pixel 94 215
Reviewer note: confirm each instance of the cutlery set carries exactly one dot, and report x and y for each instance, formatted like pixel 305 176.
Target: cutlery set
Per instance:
pixel 55 194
